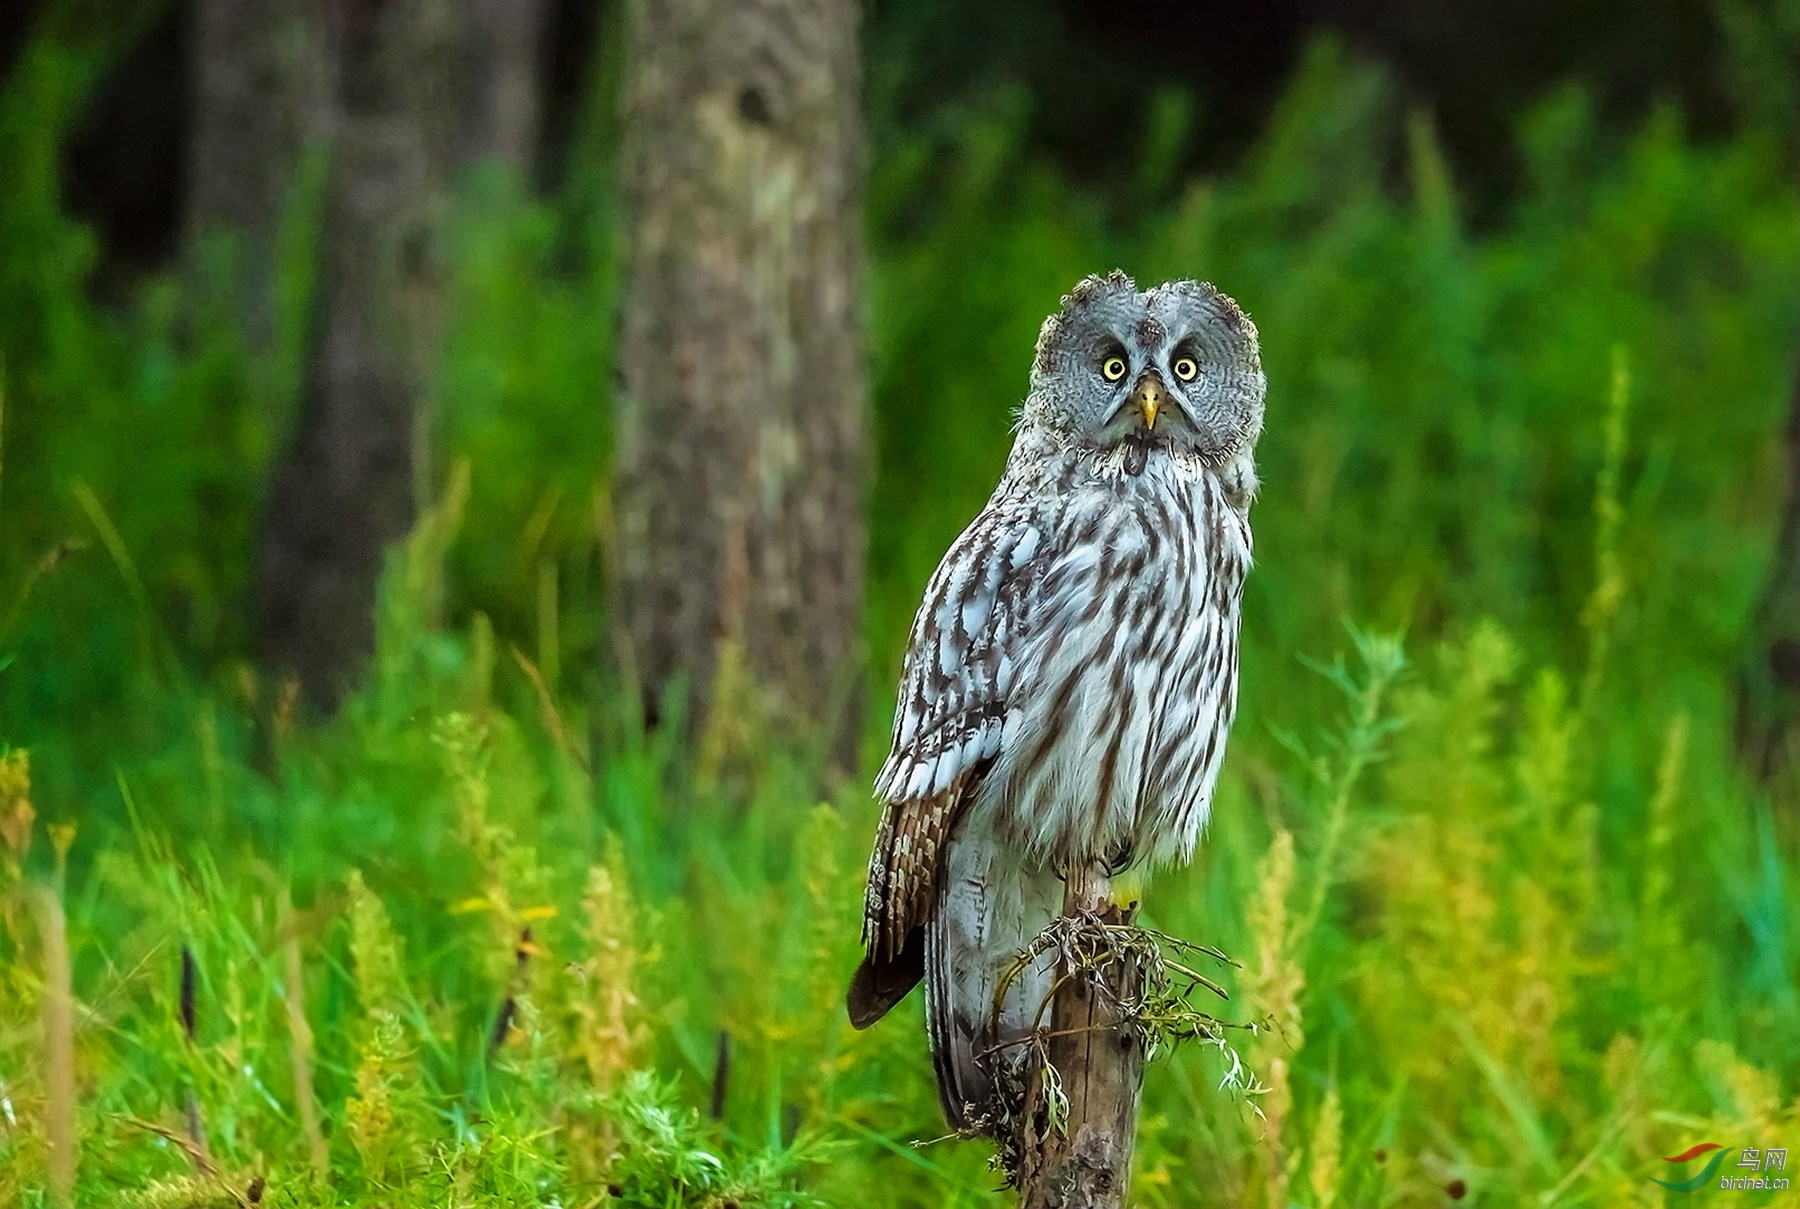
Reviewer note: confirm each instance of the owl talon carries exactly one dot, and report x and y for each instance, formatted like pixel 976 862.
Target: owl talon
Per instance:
pixel 1121 858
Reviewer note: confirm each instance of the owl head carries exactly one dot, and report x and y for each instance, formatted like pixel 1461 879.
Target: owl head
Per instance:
pixel 1176 366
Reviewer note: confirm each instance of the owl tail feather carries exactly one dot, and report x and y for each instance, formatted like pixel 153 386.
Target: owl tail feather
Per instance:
pixel 988 906
pixel 881 982
pixel 979 1005
pixel 959 1029
pixel 951 1021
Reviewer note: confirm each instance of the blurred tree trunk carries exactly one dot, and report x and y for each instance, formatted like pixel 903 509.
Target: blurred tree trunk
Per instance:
pixel 421 87
pixel 741 447
pixel 505 94
pixel 263 79
pixel 1768 705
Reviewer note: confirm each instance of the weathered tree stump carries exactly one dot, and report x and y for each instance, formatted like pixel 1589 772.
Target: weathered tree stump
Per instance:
pixel 1086 1164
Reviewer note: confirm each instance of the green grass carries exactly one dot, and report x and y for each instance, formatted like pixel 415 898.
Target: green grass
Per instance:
pixel 1490 875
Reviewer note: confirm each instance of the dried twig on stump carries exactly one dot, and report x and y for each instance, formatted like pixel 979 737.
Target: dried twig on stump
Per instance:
pixel 1081 1091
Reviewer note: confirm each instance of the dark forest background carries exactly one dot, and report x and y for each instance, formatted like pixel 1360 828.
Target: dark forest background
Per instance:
pixel 1094 72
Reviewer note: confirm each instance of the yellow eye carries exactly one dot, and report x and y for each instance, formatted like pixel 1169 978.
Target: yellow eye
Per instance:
pixel 1112 369
pixel 1185 368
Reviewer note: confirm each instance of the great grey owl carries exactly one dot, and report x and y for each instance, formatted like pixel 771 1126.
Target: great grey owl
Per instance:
pixel 1072 670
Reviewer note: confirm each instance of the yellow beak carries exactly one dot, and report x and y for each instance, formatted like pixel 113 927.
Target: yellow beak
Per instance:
pixel 1149 397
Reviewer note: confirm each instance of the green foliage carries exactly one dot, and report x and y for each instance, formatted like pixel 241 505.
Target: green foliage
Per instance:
pixel 1508 917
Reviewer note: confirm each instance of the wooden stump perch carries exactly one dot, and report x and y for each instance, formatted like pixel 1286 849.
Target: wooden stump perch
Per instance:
pixel 1099 1067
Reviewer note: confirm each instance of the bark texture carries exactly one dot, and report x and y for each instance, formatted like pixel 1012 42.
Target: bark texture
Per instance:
pixel 264 75
pixel 506 40
pixel 1087 1165
pixel 1768 698
pixel 421 87
pixel 741 455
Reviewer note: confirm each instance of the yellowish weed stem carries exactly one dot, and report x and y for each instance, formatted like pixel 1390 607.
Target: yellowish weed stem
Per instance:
pixel 59 1050
pixel 294 992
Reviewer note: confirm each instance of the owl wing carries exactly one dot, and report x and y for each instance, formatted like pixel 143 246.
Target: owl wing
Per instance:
pixel 959 669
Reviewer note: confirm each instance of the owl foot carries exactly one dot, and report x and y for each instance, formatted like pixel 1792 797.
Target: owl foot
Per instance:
pixel 1120 858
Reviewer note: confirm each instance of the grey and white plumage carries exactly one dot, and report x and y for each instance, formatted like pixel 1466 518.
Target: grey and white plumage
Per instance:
pixel 1072 671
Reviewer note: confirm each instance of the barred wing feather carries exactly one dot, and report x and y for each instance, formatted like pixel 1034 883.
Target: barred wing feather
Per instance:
pixel 952 713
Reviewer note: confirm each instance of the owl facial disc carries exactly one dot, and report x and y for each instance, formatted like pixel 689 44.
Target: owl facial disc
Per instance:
pixel 1175 367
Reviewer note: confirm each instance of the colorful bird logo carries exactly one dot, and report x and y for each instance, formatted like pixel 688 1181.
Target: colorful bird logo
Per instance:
pixel 1706 1174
